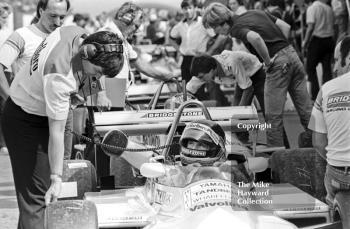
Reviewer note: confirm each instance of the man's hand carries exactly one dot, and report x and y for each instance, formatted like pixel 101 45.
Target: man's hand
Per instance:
pixel 54 190
pixel 172 86
pixel 103 102
pixel 171 75
pixel 268 64
pixel 304 44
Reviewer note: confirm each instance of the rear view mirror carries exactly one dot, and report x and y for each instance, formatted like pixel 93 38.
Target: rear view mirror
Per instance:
pixel 257 164
pixel 152 170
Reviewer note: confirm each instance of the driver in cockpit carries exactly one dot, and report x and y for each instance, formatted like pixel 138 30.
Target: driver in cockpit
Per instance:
pixel 203 156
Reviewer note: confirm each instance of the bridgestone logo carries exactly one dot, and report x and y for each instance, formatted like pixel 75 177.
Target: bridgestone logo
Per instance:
pixel 172 114
pixel 339 100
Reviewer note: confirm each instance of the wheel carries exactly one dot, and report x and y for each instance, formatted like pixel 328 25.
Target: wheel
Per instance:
pixel 303 168
pixel 80 173
pixel 342 207
pixel 72 214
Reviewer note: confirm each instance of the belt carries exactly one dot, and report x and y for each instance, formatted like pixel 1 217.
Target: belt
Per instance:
pixel 342 168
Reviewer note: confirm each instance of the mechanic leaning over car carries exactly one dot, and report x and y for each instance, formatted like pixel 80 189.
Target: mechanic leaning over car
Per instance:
pixel 63 71
pixel 125 23
pixel 330 122
pixel 266 37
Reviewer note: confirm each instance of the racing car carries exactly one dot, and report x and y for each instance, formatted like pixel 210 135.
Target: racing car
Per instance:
pixel 211 197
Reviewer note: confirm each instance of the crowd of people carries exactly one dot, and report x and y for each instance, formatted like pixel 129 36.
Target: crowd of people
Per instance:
pixel 266 48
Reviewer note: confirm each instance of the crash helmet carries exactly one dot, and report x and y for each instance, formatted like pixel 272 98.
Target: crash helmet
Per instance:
pixel 207 133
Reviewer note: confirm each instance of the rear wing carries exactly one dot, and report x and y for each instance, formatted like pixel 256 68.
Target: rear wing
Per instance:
pixel 159 121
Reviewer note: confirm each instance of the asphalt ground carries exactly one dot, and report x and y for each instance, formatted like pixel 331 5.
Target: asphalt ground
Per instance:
pixel 8 203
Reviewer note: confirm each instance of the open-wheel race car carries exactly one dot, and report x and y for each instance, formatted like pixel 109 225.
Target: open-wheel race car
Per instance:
pixel 224 195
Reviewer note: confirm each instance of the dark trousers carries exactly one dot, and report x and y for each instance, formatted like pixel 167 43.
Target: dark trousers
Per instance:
pixel 320 50
pixel 27 138
pixel 2 140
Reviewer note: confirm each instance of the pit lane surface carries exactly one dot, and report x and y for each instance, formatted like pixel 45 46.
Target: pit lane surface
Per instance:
pixel 8 204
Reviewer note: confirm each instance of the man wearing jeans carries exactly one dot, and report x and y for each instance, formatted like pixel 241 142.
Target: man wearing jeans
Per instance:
pixel 265 36
pixel 331 126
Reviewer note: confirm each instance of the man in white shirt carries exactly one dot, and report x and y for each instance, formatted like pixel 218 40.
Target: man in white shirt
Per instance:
pixel 194 39
pixel 231 66
pixel 330 122
pixel 36 111
pixel 22 43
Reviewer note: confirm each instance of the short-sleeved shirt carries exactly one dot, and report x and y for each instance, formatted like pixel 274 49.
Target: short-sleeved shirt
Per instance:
pixel 331 115
pixel 321 15
pixel 43 86
pixel 194 36
pixel 20 46
pixel 239 64
pixel 129 53
pixel 262 23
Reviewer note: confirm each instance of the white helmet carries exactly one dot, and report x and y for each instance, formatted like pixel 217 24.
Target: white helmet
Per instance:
pixel 208 133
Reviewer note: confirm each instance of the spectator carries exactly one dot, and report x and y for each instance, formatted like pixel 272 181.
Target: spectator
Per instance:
pixel 276 8
pixel 266 36
pixel 36 111
pixel 194 39
pixel 237 7
pixel 341 17
pixel 22 43
pixel 80 20
pixel 151 31
pixel 331 128
pixel 5 11
pixel 342 58
pixel 319 33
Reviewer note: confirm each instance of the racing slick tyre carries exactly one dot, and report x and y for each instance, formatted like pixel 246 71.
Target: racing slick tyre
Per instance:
pixel 82 175
pixel 71 214
pixel 303 168
pixel 342 208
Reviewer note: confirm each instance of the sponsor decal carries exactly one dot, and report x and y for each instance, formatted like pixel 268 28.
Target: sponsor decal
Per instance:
pixel 193 152
pixel 77 165
pixel 125 219
pixel 339 100
pixel 34 62
pixel 214 204
pixel 171 114
pixel 205 129
pixel 208 191
pixel 163 197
